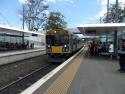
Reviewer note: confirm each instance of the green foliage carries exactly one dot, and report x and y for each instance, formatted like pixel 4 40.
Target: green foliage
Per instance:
pixel 55 21
pixel 112 14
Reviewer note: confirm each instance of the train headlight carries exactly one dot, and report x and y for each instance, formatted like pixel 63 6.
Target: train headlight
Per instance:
pixel 65 48
pixel 65 45
pixel 49 49
pixel 48 46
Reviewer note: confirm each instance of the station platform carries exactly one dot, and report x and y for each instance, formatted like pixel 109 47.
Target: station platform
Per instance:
pixel 17 55
pixel 83 75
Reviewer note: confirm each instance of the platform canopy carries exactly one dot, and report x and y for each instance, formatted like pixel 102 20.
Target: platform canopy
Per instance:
pixel 100 29
pixel 9 29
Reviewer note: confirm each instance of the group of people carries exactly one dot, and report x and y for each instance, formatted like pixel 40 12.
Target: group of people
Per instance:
pixel 16 46
pixel 97 48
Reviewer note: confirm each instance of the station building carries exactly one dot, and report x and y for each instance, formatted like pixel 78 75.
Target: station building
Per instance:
pixel 13 38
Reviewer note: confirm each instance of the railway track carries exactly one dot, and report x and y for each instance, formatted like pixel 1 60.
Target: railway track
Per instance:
pixel 22 83
pixel 16 77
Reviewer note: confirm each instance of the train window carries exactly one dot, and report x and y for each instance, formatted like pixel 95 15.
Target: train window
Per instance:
pixel 50 39
pixel 61 39
pixel 57 39
pixel 65 39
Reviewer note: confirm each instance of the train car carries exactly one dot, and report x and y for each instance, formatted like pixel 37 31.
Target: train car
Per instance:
pixel 61 42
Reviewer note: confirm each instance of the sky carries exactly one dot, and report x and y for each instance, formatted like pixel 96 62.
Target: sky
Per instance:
pixel 76 12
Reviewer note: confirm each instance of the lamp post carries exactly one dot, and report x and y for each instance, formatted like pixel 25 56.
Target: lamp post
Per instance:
pixel 115 32
pixel 23 26
pixel 107 19
pixel 46 24
pixel 116 16
pixel 23 18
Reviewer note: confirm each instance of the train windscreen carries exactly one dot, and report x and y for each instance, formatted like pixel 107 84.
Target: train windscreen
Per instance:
pixel 57 39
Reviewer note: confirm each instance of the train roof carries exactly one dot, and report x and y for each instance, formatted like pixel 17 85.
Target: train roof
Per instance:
pixel 59 31
pixel 11 29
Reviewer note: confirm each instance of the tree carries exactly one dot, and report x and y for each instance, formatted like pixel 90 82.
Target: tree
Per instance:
pixel 112 14
pixel 34 13
pixel 55 21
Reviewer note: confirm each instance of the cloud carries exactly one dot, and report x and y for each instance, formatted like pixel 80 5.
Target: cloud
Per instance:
pixel 23 1
pixel 20 16
pixel 49 1
pixel 71 1
pixel 26 1
pixel 90 18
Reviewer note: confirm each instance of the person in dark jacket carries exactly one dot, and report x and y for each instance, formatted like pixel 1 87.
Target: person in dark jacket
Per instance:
pixel 92 48
pixel 121 54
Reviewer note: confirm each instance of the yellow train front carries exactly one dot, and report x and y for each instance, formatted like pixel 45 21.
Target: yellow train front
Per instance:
pixel 61 43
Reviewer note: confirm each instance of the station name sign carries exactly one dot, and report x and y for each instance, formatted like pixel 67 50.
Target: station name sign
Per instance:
pixel 90 32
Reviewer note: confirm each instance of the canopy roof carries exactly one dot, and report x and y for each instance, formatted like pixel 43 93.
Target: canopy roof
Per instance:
pixel 100 29
pixel 13 29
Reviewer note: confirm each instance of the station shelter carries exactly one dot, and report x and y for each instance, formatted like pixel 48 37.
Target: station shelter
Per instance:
pixel 106 32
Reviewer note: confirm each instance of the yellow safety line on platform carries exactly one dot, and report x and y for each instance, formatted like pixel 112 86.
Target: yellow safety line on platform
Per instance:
pixel 62 83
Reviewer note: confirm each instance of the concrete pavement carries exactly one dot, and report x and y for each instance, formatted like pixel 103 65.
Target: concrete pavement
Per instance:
pixel 98 76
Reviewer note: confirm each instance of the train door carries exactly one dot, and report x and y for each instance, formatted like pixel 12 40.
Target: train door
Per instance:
pixel 71 43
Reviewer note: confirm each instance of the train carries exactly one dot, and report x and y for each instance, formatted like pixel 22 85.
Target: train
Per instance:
pixel 61 42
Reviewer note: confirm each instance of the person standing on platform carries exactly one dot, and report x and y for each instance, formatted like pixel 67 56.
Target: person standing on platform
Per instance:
pixel 121 53
pixel 111 49
pixel 92 48
pixel 27 44
pixel 99 48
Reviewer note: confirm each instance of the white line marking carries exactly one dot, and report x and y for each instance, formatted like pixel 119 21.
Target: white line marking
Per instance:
pixel 40 82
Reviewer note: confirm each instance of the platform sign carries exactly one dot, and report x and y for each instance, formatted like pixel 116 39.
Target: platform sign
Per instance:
pixel 90 32
pixel 34 35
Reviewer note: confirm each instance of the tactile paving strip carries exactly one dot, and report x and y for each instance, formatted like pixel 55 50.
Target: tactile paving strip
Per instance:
pixel 62 83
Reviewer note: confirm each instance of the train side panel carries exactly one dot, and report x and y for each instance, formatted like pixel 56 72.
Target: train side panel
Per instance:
pixel 76 44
